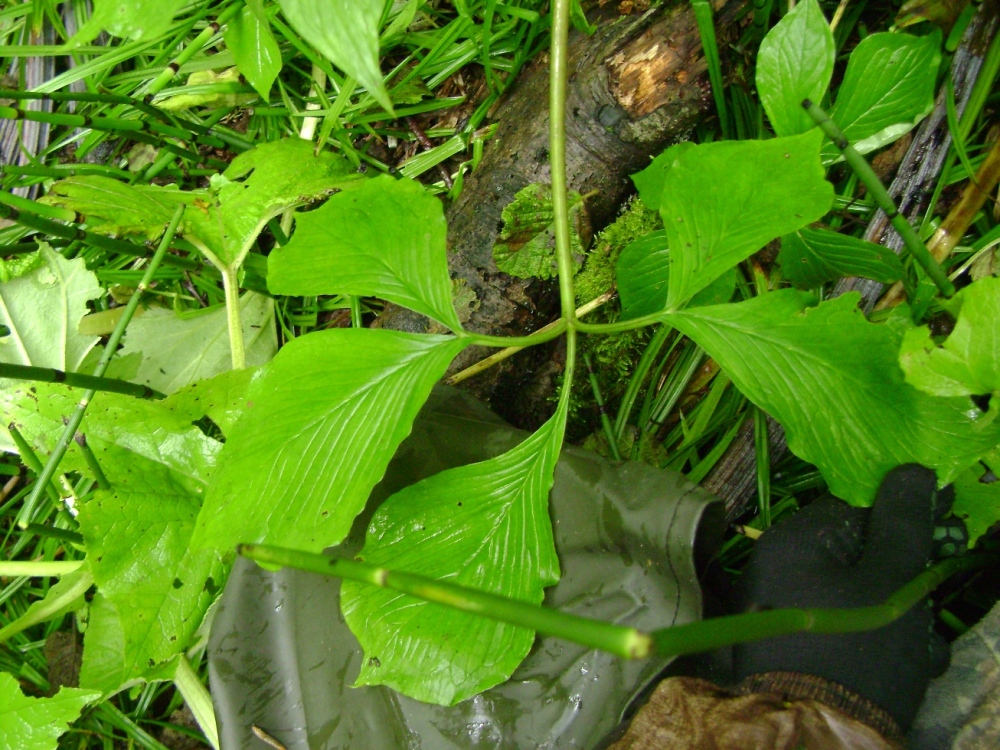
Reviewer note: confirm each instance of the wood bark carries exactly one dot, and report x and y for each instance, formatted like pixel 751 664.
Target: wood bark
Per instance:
pixel 637 85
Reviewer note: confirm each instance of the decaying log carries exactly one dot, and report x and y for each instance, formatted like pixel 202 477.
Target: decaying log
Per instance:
pixel 636 86
pixel 733 479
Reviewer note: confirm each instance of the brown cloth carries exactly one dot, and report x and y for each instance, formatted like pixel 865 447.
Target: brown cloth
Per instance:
pixel 686 713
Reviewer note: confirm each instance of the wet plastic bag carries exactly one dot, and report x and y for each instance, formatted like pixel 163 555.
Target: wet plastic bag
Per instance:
pixel 283 660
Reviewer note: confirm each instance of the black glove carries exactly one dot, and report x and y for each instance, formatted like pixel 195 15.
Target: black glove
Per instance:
pixel 833 555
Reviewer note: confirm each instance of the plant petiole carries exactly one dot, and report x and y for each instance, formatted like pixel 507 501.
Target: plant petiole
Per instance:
pixel 629 643
pixel 231 284
pixel 882 198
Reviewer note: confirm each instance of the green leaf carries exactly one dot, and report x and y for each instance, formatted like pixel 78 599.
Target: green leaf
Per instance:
pixel 260 184
pixel 968 364
pixel 222 399
pixel 643 276
pixel 811 257
pixel 832 379
pixel 795 63
pixel 345 32
pixel 888 88
pixel 113 421
pixel 119 208
pixel 321 423
pixel 526 247
pixel 43 309
pixel 208 88
pixel 649 182
pixel 66 595
pixel 135 19
pixel 485 526
pixel 976 502
pixel 764 189
pixel 386 238
pixel 254 47
pixel 37 723
pixel 179 351
pixel 137 538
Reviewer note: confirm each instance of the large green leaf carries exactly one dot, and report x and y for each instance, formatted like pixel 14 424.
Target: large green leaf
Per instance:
pixel 795 63
pixel 968 363
pixel 346 32
pixel 136 19
pixel 643 277
pixel 888 88
pixel 649 182
pixel 179 351
pixel 254 47
pixel 141 427
pixel 833 381
pixel 976 502
pixel 485 526
pixel 321 423
pixel 224 221
pixel 386 238
pixel 36 723
pixel 117 208
pixel 42 309
pixel 222 398
pixel 724 201
pixel 258 185
pixel 526 247
pixel 208 88
pixel 811 257
pixel 66 595
pixel 137 537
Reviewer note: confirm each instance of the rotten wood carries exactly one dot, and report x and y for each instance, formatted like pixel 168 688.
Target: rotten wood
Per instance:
pixel 637 85
pixel 733 479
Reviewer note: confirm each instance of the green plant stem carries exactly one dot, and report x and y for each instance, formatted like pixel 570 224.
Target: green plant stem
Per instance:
pixel 90 97
pixel 198 700
pixel 47 212
pixel 557 156
pixel 73 424
pixel 621 326
pixel 194 47
pixel 628 642
pixel 981 90
pixel 497 357
pixel 41 568
pixel 137 736
pixel 51 531
pixel 60 171
pixel 539 337
pixel 31 460
pixel 231 284
pixel 89 238
pixel 720 632
pixel 76 379
pixel 146 132
pixel 625 642
pixel 882 198
pixel 635 382
pixel 92 463
pixel 609 431
pixel 710 47
pixel 762 453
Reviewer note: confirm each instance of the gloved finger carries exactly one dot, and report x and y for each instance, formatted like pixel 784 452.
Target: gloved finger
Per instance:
pixel 899 537
pixel 828 532
pixel 945 499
